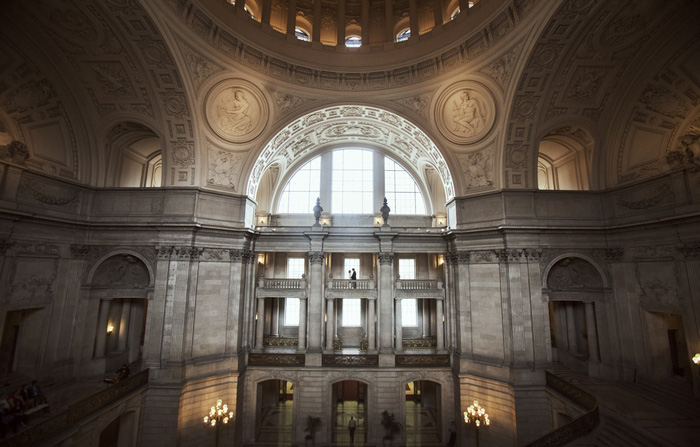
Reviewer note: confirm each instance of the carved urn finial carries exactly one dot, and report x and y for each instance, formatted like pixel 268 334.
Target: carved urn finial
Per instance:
pixel 385 210
pixel 317 212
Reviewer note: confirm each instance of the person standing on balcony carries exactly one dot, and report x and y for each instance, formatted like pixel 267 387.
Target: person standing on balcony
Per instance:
pixel 353 277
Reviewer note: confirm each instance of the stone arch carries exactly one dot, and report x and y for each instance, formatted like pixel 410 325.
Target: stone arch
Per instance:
pixel 574 256
pixel 565 157
pixel 122 269
pixel 354 124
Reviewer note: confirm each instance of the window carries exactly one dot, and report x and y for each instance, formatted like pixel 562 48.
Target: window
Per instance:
pixel 300 193
pixel 409 307
pixel 352 263
pixel 295 269
pixel 353 42
pixel 401 190
pixel 352 312
pixel 403 35
pixel 302 35
pixel 352 183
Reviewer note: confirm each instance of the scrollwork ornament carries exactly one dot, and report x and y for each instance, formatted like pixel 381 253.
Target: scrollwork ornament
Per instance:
pixel 385 258
pixel 236 255
pixel 316 257
pixel 462 257
pixel 80 251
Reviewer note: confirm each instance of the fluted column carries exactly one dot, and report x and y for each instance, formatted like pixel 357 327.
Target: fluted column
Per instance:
pixel 340 23
pixel 316 31
pixel 439 324
pixel 364 22
pixel 124 325
pixel 260 324
pixel 330 324
pixel 302 325
pixel 413 17
pixel 291 16
pixel 398 327
pixel 275 317
pixel 371 343
pixel 101 337
pixel 425 318
pixel 389 20
pixel 592 332
pixel 571 327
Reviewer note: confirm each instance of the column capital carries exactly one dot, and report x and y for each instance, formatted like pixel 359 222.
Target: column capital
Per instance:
pixel 316 257
pixel 385 258
pixel 163 252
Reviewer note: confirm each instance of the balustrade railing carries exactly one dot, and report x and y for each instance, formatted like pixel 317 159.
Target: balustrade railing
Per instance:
pixel 282 283
pixel 74 413
pixel 418 284
pixel 350 284
pixel 580 426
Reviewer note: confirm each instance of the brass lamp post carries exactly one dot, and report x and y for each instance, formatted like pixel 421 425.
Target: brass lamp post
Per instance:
pixel 476 415
pixel 218 415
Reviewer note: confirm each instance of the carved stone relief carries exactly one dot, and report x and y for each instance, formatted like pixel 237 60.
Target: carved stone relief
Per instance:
pixel 659 195
pixel 477 168
pixel 31 279
pixel 658 284
pixel 285 102
pixel 32 190
pixel 236 110
pixel 224 167
pixel 418 103
pixel 122 271
pixel 573 273
pixel 465 112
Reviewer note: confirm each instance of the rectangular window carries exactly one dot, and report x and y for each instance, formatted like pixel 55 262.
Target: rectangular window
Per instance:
pixel 409 307
pixel 352 312
pixel 351 263
pixel 352 184
pixel 295 269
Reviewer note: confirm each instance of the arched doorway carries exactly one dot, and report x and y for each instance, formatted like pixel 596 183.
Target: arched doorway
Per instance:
pixel 120 432
pixel 274 412
pixel 423 418
pixel 349 400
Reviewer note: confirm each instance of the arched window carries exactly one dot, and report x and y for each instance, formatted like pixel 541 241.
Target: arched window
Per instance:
pixel 302 35
pixel 353 42
pixel 403 35
pixel 303 188
pixel 355 181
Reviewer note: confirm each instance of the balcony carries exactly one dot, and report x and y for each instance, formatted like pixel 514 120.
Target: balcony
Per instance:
pixel 420 288
pixel 281 287
pixel 348 288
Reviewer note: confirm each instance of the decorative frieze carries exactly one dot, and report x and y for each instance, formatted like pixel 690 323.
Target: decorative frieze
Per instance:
pixel 280 342
pixel 255 359
pixel 80 251
pixel 691 251
pixel 39 249
pixel 423 361
pixel 350 360
pixel 163 252
pixel 419 343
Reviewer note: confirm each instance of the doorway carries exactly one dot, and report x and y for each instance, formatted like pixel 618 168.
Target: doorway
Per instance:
pixel 349 401
pixel 423 418
pixel 275 411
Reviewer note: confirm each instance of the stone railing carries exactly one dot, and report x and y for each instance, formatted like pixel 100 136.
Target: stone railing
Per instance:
pixel 349 284
pixel 89 406
pixel 350 360
pixel 580 426
pixel 419 343
pixel 419 284
pixel 423 361
pixel 256 359
pixel 280 342
pixel 282 283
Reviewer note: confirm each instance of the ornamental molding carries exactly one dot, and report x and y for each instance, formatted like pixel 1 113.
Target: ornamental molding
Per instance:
pixel 465 112
pixel 344 124
pixel 385 258
pixel 236 110
pixel 316 257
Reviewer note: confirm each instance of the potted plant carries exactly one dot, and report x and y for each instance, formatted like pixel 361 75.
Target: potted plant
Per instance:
pixel 312 425
pixel 392 427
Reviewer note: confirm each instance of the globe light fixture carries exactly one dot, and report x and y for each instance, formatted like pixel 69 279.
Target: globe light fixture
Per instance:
pixel 218 415
pixel 476 414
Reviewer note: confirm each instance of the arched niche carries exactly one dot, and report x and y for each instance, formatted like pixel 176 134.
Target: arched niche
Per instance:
pixel 135 156
pixel 564 160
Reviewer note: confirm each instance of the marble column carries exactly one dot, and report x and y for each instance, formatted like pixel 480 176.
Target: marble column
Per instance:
pixel 266 12
pixel 385 306
pixel 301 347
pixel 260 324
pixel 371 343
pixel 439 324
pixel 425 319
pixel 124 325
pixel 316 30
pixel 315 301
pixel 330 324
pixel 364 22
pixel 398 327
pixel 101 336
pixel 571 327
pixel 437 13
pixel 413 18
pixel 340 24
pixel 592 332
pixel 275 323
pixel 389 21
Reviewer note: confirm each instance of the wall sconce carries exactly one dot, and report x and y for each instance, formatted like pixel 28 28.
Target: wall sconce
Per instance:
pixel 110 328
pixel 378 220
pixel 262 220
pixel 261 259
pixel 441 259
pixel 696 359
pixel 325 222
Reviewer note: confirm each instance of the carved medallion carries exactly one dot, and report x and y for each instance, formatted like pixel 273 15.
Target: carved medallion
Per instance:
pixel 465 112
pixel 236 110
